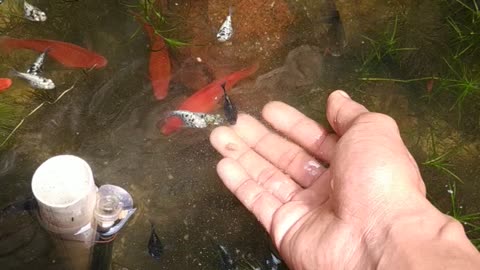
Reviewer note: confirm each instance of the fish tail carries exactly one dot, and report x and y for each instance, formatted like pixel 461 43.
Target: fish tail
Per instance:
pixel 230 11
pixel 13 73
pixel 7 43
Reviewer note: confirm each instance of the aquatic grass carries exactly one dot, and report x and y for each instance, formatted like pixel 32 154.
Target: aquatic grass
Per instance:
pixel 385 47
pixel 439 161
pixel 465 83
pixel 150 12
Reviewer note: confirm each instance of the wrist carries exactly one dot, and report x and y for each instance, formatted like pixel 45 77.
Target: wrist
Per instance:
pixel 427 240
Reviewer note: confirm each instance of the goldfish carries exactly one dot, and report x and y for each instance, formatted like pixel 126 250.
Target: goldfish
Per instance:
pixel 206 99
pixel 36 67
pixel 32 13
pixel 159 64
pixel 67 54
pixel 197 120
pixel 5 83
pixel 225 32
pixel 229 108
pixel 35 81
pixel 155 247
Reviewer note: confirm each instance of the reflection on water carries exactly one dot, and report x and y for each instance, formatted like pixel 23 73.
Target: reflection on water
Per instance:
pixel 110 116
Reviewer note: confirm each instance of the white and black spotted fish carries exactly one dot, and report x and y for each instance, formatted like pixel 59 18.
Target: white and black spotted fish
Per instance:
pixel 36 67
pixel 35 81
pixel 197 120
pixel 32 13
pixel 226 30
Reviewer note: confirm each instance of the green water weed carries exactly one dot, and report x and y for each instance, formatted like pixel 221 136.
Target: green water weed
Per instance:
pixel 386 47
pixel 440 161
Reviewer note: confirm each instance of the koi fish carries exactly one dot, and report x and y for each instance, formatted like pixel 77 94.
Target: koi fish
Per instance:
pixel 67 54
pixel 225 32
pixel 5 83
pixel 197 120
pixel 35 81
pixel 229 108
pixel 32 13
pixel 206 99
pixel 159 64
pixel 36 67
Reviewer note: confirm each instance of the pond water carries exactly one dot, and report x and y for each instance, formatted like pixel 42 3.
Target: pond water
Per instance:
pixel 403 58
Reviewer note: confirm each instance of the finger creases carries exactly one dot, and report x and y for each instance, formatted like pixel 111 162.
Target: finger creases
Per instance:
pixel 301 129
pixel 283 154
pixel 253 196
pixel 254 167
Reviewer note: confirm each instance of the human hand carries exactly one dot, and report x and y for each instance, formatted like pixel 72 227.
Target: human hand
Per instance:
pixel 355 213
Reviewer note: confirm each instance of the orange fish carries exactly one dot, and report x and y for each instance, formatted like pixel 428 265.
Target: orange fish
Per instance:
pixel 5 83
pixel 205 100
pixel 159 65
pixel 67 54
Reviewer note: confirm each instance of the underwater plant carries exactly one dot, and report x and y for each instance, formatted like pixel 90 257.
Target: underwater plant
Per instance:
pixel 439 161
pixel 150 12
pixel 384 48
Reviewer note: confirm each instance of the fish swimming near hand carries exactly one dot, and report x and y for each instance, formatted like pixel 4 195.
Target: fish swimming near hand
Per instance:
pixel 197 120
pixel 5 83
pixel 226 260
pixel 273 262
pixel 229 108
pixel 36 67
pixel 32 13
pixel 155 247
pixel 35 81
pixel 67 54
pixel 206 99
pixel 159 64
pixel 225 32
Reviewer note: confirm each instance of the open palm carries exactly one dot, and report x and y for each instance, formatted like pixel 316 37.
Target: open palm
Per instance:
pixel 329 200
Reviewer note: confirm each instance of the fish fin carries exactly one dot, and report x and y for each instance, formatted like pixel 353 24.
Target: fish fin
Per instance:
pixel 13 73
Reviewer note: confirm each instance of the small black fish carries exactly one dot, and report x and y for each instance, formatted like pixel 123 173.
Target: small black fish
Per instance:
pixel 226 260
pixel 229 108
pixel 155 247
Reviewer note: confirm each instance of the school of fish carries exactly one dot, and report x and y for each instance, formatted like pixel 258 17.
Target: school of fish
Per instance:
pixel 196 111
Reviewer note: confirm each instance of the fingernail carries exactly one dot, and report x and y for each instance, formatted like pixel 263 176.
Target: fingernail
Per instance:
pixel 343 93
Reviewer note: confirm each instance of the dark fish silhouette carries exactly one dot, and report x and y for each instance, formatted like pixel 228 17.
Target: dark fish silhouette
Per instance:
pixel 229 108
pixel 226 260
pixel 155 247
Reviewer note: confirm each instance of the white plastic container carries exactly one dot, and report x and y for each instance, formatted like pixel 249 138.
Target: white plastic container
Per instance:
pixel 66 194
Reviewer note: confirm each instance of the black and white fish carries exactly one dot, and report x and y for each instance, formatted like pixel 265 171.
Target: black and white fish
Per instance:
pixel 32 13
pixel 197 120
pixel 35 81
pixel 155 247
pixel 1 1
pixel 36 67
pixel 226 30
pixel 229 108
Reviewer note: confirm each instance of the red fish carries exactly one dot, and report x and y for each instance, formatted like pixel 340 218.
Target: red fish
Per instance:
pixel 67 54
pixel 5 83
pixel 206 99
pixel 159 66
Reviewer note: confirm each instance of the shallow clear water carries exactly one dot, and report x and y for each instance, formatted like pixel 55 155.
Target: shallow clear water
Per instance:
pixel 110 116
